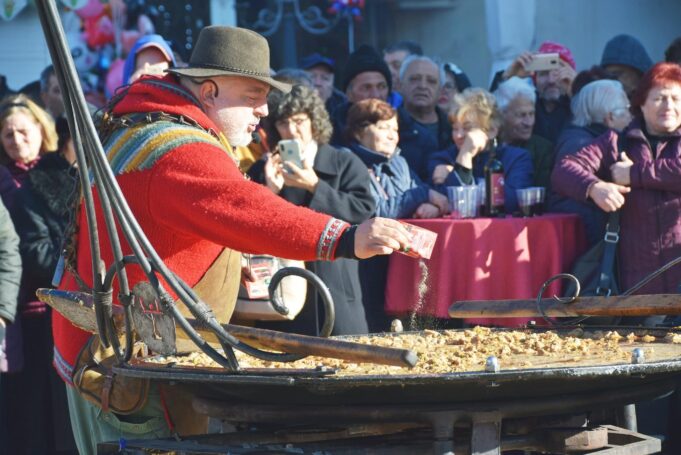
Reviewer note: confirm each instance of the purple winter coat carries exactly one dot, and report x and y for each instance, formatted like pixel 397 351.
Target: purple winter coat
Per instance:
pixel 650 221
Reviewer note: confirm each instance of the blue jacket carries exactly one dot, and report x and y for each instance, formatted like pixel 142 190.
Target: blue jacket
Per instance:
pixel 417 142
pixel 518 170
pixel 397 190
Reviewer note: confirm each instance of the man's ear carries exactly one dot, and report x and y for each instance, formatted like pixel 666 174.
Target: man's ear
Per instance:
pixel 208 93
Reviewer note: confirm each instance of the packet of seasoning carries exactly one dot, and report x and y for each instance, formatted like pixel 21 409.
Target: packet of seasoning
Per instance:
pixel 422 242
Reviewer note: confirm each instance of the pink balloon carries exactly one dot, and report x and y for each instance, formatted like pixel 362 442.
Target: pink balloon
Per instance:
pixel 114 78
pixel 128 40
pixel 93 8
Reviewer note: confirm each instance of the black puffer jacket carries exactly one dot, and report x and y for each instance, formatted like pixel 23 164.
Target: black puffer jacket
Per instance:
pixel 41 213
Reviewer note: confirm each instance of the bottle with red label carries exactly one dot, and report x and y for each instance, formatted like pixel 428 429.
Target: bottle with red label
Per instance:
pixel 494 185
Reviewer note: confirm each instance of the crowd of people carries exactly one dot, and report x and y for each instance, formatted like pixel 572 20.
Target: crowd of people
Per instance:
pixel 385 141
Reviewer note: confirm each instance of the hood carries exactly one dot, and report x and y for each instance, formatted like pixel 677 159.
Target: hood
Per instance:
pixel 626 50
pixel 145 42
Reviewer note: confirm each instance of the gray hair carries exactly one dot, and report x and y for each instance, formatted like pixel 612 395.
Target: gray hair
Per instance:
pixel 511 89
pixel 422 58
pixel 596 100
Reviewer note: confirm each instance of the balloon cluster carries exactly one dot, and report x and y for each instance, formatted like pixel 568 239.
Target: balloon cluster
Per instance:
pixel 98 57
pixel 352 8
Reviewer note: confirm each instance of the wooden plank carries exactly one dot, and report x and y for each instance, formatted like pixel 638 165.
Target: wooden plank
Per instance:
pixel 633 305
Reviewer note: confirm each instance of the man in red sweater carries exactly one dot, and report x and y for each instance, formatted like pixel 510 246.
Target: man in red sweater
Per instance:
pixel 181 181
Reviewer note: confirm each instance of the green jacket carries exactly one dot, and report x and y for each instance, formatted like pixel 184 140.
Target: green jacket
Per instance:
pixel 10 266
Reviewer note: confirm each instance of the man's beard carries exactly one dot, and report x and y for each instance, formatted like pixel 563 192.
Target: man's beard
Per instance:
pixel 240 139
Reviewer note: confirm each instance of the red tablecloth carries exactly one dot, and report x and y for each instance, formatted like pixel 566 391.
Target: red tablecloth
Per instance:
pixel 485 259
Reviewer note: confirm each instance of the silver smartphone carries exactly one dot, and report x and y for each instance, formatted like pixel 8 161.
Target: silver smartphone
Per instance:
pixel 290 151
pixel 544 62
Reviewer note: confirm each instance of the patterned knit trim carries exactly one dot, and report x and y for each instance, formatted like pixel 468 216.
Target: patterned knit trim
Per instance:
pixel 139 147
pixel 328 239
pixel 64 369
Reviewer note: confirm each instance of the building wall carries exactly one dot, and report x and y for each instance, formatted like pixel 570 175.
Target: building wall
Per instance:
pixel 24 54
pixel 458 33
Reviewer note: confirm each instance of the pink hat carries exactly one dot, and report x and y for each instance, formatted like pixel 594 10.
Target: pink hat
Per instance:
pixel 548 47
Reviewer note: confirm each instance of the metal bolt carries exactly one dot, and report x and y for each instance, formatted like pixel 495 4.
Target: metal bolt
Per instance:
pixel 396 326
pixel 492 364
pixel 637 356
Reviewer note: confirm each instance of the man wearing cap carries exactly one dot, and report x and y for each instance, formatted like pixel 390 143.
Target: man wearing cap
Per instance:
pixel 625 58
pixel 150 54
pixel 552 110
pixel 366 76
pixel 169 142
pixel 321 70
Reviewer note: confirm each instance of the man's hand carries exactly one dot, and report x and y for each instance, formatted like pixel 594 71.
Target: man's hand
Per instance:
pixel 380 236
pixel 608 196
pixel 517 68
pixel 621 170
pixel 441 172
pixel 439 200
pixel 304 178
pixel 426 210
pixel 566 74
pixel 274 177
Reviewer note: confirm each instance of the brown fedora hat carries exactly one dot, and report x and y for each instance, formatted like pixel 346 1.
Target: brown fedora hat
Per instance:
pixel 231 51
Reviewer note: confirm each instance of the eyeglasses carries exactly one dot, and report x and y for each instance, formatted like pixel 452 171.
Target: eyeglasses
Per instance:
pixel 295 120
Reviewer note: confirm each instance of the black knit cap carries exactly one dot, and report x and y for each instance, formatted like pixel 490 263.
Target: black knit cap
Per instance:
pixel 363 60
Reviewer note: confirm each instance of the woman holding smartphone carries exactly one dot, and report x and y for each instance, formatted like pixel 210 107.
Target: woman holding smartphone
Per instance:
pixel 305 170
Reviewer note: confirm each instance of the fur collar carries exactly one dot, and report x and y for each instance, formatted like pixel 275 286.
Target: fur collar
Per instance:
pixel 54 181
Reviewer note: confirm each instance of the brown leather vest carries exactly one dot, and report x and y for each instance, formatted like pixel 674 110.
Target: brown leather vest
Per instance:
pixel 219 286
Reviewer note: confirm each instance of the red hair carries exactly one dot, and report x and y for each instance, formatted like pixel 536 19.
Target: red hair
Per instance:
pixel 663 73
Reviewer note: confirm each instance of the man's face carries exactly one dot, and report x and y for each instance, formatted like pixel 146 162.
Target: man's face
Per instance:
pixel 518 120
pixel 237 109
pixel 394 61
pixel 548 85
pixel 628 77
pixel 421 85
pixel 322 78
pixel 52 98
pixel 367 85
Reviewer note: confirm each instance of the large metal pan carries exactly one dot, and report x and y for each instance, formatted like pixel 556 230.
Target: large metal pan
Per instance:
pixel 450 388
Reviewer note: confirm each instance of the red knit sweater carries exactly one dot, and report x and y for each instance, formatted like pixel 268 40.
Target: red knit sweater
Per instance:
pixel 190 203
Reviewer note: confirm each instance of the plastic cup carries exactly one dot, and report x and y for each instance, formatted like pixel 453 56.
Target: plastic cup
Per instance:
pixel 463 201
pixel 526 200
pixel 538 198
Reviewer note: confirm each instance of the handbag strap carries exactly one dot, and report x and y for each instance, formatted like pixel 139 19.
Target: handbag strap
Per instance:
pixel 611 238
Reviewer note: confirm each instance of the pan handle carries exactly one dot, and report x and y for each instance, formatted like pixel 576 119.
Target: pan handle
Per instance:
pixel 317 283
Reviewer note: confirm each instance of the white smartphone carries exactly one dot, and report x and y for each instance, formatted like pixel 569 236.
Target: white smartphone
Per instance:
pixel 290 151
pixel 544 62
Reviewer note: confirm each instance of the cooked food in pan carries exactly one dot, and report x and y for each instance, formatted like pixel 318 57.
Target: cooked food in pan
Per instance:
pixel 452 351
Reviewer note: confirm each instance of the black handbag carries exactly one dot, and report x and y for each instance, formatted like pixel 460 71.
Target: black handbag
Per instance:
pixel 596 269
